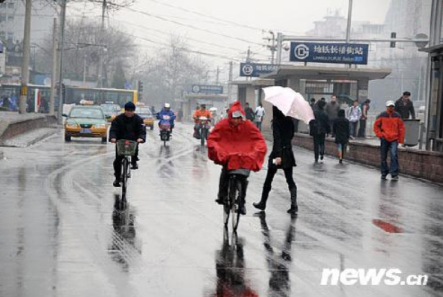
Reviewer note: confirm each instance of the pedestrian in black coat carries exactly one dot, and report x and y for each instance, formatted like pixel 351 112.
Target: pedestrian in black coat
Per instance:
pixel 318 130
pixel 281 157
pixel 250 114
pixel 342 132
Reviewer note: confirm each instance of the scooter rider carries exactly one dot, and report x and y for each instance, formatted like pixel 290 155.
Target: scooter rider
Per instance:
pixel 127 125
pixel 235 143
pixel 166 111
pixel 202 112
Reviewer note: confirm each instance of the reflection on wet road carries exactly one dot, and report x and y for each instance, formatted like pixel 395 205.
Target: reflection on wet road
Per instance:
pixel 65 232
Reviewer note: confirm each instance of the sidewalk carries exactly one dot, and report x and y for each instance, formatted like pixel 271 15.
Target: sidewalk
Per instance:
pixel 413 161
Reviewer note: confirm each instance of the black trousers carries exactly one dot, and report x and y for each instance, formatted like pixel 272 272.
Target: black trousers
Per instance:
pixel 272 170
pixel 362 129
pixel 224 184
pixel 319 145
pixel 118 162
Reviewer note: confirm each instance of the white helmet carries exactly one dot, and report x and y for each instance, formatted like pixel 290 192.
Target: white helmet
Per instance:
pixel 390 103
pixel 167 105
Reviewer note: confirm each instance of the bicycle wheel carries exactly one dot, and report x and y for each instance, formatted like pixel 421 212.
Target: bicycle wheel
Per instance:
pixel 124 176
pixel 226 211
pixel 203 136
pixel 234 197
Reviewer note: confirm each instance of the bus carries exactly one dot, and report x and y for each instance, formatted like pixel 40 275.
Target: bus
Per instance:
pixel 38 96
pixel 73 95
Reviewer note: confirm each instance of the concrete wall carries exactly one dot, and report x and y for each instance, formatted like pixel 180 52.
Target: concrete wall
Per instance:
pixel 421 164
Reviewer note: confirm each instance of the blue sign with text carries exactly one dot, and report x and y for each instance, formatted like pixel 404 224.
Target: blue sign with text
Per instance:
pixel 340 53
pixel 207 89
pixel 255 70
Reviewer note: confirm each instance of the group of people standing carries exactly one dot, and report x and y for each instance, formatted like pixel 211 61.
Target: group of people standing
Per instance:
pixel 357 114
pixel 330 118
pixel 389 128
pixel 255 116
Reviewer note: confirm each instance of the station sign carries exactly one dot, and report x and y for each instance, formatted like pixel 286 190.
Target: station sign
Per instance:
pixel 255 69
pixel 338 53
pixel 207 89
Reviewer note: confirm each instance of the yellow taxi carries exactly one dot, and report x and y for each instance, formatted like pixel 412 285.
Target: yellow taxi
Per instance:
pixel 111 110
pixel 85 121
pixel 145 113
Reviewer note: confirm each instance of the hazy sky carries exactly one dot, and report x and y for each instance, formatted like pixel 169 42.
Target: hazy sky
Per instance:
pixel 150 19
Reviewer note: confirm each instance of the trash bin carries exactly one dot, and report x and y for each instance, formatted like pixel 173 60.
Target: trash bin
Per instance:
pixel 412 130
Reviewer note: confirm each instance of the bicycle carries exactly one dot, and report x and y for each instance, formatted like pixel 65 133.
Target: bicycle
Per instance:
pixel 125 148
pixel 236 196
pixel 203 128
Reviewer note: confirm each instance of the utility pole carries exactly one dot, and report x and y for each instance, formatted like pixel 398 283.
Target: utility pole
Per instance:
pixel 272 47
pixel 102 31
pixel 54 67
pixel 61 48
pixel 25 62
pixel 248 55
pixel 84 70
pixel 279 47
pixel 230 82
pixel 217 76
pixel 348 29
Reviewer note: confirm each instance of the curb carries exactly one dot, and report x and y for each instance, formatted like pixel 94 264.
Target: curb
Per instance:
pixel 24 144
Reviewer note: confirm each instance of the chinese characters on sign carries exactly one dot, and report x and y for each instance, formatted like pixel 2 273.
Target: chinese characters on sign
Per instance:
pixel 255 70
pixel 342 53
pixel 207 89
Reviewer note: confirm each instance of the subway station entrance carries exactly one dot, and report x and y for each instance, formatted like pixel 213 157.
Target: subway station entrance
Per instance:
pixel 347 84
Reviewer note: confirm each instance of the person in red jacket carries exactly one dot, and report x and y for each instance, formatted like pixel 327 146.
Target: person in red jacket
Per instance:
pixel 235 143
pixel 390 129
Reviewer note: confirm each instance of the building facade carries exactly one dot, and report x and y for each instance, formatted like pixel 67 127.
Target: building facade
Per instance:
pixel 12 23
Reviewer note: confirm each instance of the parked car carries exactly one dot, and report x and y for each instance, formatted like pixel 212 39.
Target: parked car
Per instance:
pixel 85 121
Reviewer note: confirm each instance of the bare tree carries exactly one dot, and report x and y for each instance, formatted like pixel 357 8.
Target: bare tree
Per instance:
pixel 84 43
pixel 171 72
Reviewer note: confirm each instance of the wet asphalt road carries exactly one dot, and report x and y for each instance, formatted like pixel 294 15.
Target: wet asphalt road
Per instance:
pixel 60 234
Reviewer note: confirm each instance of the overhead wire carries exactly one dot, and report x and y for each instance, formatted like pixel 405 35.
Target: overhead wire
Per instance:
pixel 163 32
pixel 208 16
pixel 191 26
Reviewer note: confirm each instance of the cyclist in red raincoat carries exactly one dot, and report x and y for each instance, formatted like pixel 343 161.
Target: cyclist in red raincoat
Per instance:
pixel 235 143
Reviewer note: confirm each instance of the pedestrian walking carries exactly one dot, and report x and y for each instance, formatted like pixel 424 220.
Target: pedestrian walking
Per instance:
pixel 341 130
pixel 364 117
pixel 332 109
pixel 405 107
pixel 259 114
pixel 281 157
pixel 318 129
pixel 354 115
pixel 250 115
pixel 390 129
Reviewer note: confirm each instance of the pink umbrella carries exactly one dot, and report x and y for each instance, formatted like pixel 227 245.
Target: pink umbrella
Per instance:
pixel 290 103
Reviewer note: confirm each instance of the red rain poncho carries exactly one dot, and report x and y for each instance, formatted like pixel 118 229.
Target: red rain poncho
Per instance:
pixel 237 147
